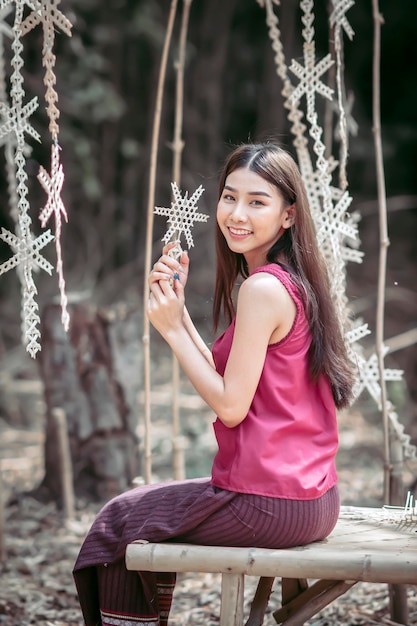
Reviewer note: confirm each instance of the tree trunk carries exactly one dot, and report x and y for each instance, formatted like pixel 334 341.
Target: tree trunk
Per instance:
pixel 93 374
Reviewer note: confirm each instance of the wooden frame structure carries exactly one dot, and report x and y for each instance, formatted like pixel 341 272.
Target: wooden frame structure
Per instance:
pixel 363 547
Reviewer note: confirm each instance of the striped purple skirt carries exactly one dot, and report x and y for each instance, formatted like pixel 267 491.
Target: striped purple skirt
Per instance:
pixel 190 511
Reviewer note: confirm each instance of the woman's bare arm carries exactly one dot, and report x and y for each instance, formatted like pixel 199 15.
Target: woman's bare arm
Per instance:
pixel 197 339
pixel 165 269
pixel 263 306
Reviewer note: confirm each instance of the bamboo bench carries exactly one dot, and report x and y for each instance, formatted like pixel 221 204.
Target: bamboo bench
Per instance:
pixel 366 545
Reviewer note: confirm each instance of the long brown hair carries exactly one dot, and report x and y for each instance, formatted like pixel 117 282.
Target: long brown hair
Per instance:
pixel 327 353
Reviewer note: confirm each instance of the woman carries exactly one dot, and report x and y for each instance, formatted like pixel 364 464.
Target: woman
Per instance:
pixel 274 379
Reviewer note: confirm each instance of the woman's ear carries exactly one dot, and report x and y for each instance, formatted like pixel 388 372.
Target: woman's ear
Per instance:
pixel 289 216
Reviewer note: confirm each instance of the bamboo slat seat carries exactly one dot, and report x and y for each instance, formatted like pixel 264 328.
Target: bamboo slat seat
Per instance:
pixel 367 544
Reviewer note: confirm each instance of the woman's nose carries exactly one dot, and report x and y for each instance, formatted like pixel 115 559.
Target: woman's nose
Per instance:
pixel 238 214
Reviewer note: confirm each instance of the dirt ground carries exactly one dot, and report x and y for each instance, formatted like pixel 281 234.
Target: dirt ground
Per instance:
pixel 40 545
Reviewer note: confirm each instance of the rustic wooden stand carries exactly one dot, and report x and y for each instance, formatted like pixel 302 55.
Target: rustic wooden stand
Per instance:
pixel 362 547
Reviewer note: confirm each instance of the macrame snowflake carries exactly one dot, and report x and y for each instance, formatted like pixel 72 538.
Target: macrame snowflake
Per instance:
pixel 333 228
pixel 52 184
pixel 369 376
pixel 46 12
pixel 336 227
pixel 182 214
pixel 309 75
pixel 14 127
pixel 338 16
pixel 27 258
pixel 15 120
pixel 26 251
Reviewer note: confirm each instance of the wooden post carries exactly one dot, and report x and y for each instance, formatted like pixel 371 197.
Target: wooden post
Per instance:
pixel 399 610
pixel 231 610
pixel 397 593
pixel 65 464
pixel 2 520
pixel 260 601
pixel 178 461
pixel 178 458
pixel 149 235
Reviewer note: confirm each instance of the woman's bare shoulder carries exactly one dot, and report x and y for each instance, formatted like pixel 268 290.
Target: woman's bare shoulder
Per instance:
pixel 264 285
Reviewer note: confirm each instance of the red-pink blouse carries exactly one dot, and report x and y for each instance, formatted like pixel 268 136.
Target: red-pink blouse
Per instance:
pixel 286 445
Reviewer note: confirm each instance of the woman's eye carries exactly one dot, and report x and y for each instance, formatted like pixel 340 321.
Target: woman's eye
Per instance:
pixel 227 196
pixel 257 202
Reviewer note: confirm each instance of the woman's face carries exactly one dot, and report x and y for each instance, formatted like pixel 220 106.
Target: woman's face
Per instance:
pixel 252 215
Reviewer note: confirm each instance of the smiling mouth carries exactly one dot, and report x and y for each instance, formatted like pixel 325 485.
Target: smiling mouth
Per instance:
pixel 239 232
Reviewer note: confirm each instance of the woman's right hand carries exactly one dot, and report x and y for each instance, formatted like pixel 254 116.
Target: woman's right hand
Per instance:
pixel 169 268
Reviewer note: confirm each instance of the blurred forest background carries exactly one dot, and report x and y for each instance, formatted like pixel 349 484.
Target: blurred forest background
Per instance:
pixel 107 77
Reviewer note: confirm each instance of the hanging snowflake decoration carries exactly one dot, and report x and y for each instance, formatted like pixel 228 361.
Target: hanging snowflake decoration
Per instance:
pixel 27 258
pixel 369 376
pixel 336 227
pixel 14 126
pixel 47 14
pixel 338 16
pixel 52 184
pixel 26 252
pixel 309 76
pixel 15 120
pixel 182 214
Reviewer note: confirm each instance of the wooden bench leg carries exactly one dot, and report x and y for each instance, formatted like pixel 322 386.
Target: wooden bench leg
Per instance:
pixel 260 601
pixel 398 603
pixel 310 601
pixel 231 609
pixel 291 588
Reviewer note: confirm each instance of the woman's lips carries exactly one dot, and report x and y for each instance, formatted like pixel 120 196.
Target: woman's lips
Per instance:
pixel 238 233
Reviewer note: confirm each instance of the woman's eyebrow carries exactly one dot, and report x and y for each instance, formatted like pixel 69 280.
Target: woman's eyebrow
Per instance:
pixel 250 193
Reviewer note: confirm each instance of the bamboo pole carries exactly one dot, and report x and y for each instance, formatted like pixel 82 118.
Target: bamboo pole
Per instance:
pixel 65 465
pixel 392 483
pixel 178 462
pixel 149 236
pixel 359 551
pixel 2 519
pixel 383 240
pixel 232 596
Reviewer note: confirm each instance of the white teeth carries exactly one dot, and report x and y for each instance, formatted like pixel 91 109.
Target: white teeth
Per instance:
pixel 236 231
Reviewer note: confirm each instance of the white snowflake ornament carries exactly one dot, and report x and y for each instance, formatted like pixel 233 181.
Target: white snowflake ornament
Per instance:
pixel 52 184
pixel 16 119
pixel 310 74
pixel 182 214
pixel 26 251
pixel 338 16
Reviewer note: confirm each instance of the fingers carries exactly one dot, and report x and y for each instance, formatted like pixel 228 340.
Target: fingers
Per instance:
pixel 185 261
pixel 165 306
pixel 158 295
pixel 161 291
pixel 170 247
pixel 169 268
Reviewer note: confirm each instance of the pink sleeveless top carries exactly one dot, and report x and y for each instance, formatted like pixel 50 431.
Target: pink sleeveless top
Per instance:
pixel 286 445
